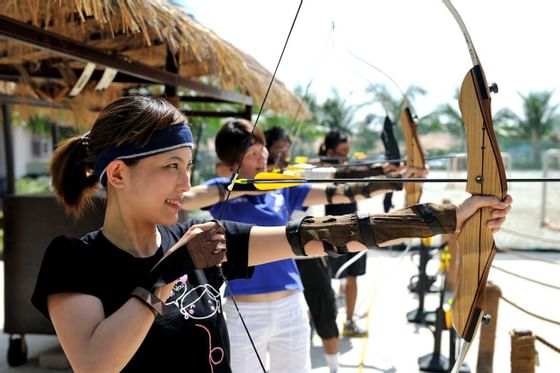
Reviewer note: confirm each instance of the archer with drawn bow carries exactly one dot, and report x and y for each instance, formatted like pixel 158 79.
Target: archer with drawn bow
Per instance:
pixel 112 294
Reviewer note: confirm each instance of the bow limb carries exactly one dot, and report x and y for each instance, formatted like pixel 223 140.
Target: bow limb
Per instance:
pixel 392 151
pixel 414 155
pixel 485 176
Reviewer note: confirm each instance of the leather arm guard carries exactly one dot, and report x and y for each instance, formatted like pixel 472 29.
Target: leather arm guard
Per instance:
pixel 199 253
pixel 359 171
pixel 423 220
pixel 364 189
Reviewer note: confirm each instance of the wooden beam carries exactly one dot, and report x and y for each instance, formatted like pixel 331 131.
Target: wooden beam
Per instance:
pixel 5 99
pixel 38 38
pixel 10 74
pixel 213 114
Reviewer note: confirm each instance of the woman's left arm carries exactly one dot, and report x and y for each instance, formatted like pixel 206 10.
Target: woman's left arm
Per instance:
pixel 344 232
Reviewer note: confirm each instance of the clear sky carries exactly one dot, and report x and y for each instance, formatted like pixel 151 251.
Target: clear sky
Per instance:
pixel 414 41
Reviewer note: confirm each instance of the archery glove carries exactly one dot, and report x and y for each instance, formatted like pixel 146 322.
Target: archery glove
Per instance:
pixel 202 251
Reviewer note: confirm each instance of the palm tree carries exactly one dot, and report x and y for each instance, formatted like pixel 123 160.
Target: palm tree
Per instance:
pixel 394 105
pixel 539 119
pixel 448 117
pixel 335 113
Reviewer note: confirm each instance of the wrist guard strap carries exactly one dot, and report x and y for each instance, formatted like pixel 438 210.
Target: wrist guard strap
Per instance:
pixel 429 218
pixel 151 300
pixel 334 251
pixel 292 234
pixel 330 191
pixel 366 230
pixel 349 192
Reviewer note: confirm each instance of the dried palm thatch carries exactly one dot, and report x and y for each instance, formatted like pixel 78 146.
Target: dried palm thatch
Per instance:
pixel 140 30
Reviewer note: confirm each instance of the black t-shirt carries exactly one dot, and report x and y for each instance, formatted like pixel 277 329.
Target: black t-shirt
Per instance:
pixel 191 336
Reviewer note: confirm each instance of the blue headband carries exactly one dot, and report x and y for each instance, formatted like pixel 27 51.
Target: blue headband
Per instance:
pixel 161 141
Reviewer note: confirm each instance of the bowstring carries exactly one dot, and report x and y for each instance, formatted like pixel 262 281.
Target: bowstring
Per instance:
pixel 236 174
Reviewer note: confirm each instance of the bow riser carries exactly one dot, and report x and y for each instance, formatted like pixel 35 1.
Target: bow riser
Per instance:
pixel 485 176
pixel 414 154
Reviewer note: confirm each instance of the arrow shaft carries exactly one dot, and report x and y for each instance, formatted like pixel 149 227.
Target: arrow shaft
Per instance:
pixel 383 180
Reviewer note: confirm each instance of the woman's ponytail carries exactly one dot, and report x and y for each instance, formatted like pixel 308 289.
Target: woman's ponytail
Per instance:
pixel 72 175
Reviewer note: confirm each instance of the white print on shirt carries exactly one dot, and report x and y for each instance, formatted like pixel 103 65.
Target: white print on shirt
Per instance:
pixel 278 201
pixel 197 303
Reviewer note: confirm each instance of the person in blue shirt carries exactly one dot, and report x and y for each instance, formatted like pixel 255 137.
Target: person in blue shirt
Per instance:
pixel 271 301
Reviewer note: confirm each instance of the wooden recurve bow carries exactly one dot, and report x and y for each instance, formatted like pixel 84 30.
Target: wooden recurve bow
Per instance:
pixel 485 176
pixel 414 154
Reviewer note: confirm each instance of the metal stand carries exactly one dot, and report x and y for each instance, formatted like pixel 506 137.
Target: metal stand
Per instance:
pixel 417 315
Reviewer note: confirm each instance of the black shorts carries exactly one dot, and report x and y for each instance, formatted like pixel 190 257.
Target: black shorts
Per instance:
pixel 357 268
pixel 319 295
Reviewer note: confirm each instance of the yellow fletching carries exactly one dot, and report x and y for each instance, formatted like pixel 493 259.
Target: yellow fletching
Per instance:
pixel 275 176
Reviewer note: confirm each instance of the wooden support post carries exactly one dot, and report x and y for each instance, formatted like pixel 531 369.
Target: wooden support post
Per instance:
pixel 171 62
pixel 55 134
pixel 523 353
pixel 8 143
pixel 488 331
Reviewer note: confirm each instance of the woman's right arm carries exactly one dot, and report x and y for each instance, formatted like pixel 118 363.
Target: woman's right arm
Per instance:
pixel 208 195
pixel 93 342
pixel 201 196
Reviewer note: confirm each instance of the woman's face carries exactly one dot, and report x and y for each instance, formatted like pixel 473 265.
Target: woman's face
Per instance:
pixel 155 186
pixel 342 150
pixel 254 161
pixel 280 153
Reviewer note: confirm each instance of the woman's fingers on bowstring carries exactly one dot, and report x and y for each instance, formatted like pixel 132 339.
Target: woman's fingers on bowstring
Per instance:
pixel 217 236
pixel 219 239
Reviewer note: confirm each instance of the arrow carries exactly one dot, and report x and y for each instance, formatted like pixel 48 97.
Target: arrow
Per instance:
pixel 271 180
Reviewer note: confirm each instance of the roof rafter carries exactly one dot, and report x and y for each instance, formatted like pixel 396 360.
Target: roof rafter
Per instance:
pixel 38 38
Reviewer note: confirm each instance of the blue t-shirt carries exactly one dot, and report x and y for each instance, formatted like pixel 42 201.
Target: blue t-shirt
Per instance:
pixel 270 209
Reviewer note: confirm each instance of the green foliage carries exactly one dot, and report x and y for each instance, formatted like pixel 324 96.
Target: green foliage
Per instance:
pixel 537 124
pixel 335 113
pixel 447 118
pixel 33 185
pixel 522 137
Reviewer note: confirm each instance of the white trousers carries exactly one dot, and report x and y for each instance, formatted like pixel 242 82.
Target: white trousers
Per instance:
pixel 279 328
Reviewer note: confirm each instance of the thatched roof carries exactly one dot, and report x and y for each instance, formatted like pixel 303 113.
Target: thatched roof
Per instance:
pixel 140 30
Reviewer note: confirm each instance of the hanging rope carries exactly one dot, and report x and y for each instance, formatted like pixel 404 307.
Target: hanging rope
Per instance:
pixel 547 343
pixel 529 312
pixel 530 236
pixel 526 278
pixel 525 256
